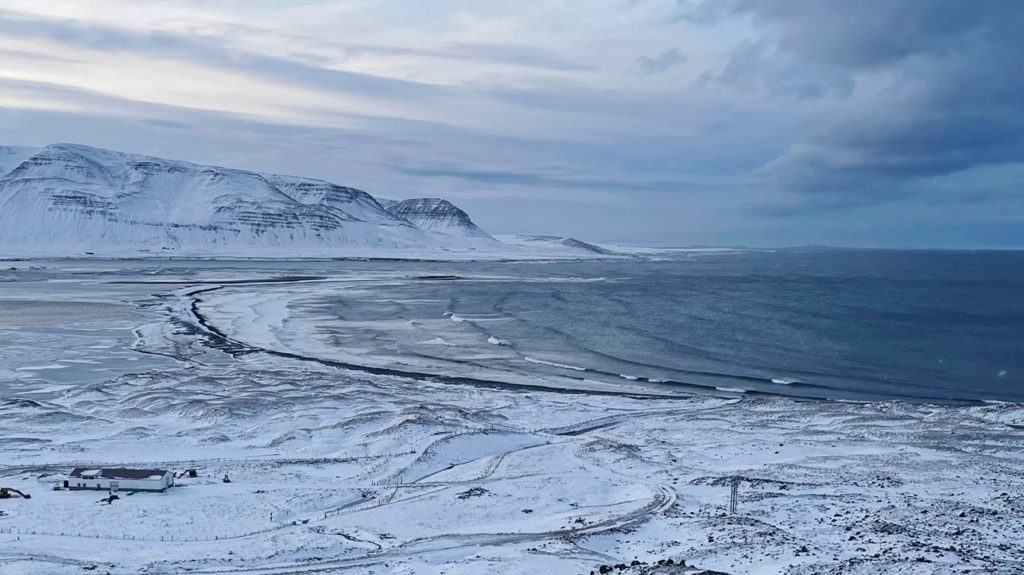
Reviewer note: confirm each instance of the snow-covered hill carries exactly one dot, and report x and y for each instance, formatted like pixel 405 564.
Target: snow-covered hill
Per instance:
pixel 69 199
pixel 558 245
pixel 438 216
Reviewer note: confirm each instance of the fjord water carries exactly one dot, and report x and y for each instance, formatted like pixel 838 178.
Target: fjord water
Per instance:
pixel 936 326
pixel 854 324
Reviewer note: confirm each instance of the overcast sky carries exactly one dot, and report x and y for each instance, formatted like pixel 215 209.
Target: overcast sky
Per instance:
pixel 756 122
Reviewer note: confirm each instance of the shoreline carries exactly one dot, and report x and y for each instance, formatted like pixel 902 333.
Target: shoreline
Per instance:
pixel 674 388
pixel 240 347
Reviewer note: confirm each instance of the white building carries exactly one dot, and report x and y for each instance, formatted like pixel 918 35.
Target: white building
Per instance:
pixel 119 479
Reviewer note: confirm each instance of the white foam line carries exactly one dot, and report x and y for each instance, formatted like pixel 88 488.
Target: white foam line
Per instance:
pixel 459 318
pixel 436 341
pixel 553 364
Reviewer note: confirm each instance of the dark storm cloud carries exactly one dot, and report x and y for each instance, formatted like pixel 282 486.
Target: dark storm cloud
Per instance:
pixel 662 62
pixel 755 65
pixel 941 89
pixel 548 180
pixel 872 32
pixel 166 124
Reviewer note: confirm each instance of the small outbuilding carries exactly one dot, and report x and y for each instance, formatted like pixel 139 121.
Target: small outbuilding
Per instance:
pixel 119 479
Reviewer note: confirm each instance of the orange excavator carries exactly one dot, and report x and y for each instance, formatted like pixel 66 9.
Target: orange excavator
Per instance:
pixel 6 493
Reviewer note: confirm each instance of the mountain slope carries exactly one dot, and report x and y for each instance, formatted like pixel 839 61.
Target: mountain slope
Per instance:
pixel 438 216
pixel 558 245
pixel 70 199
pixel 347 203
pixel 11 156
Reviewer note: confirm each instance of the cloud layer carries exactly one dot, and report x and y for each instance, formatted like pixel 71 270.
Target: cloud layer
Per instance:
pixel 765 122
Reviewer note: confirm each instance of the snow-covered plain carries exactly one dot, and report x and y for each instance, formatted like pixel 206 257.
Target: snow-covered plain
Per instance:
pixel 340 470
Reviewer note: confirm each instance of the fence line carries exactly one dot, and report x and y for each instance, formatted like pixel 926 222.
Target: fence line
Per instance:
pixel 167 538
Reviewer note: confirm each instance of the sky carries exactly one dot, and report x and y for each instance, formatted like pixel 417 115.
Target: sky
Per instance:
pixel 875 123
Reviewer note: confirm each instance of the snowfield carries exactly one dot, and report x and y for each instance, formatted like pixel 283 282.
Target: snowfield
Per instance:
pixel 336 470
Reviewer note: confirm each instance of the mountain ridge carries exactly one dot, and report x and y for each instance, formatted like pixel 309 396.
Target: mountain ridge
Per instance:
pixel 12 156
pixel 74 198
pixel 436 215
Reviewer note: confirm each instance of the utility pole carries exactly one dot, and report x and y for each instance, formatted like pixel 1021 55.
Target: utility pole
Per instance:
pixel 734 495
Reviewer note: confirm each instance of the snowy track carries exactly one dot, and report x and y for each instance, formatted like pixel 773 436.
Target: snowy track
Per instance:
pixel 662 501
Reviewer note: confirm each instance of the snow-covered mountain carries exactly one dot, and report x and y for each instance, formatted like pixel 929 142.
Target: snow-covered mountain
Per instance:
pixel 558 245
pixel 69 199
pixel 436 215
pixel 12 156
pixel 346 203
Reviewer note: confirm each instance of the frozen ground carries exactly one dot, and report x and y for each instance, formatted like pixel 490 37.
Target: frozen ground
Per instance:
pixel 335 470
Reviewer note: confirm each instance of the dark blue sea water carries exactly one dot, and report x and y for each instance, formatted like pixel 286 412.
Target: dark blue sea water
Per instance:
pixel 856 324
pixel 843 323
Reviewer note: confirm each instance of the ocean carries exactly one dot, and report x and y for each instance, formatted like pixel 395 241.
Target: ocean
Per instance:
pixel 815 323
pixel 925 326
